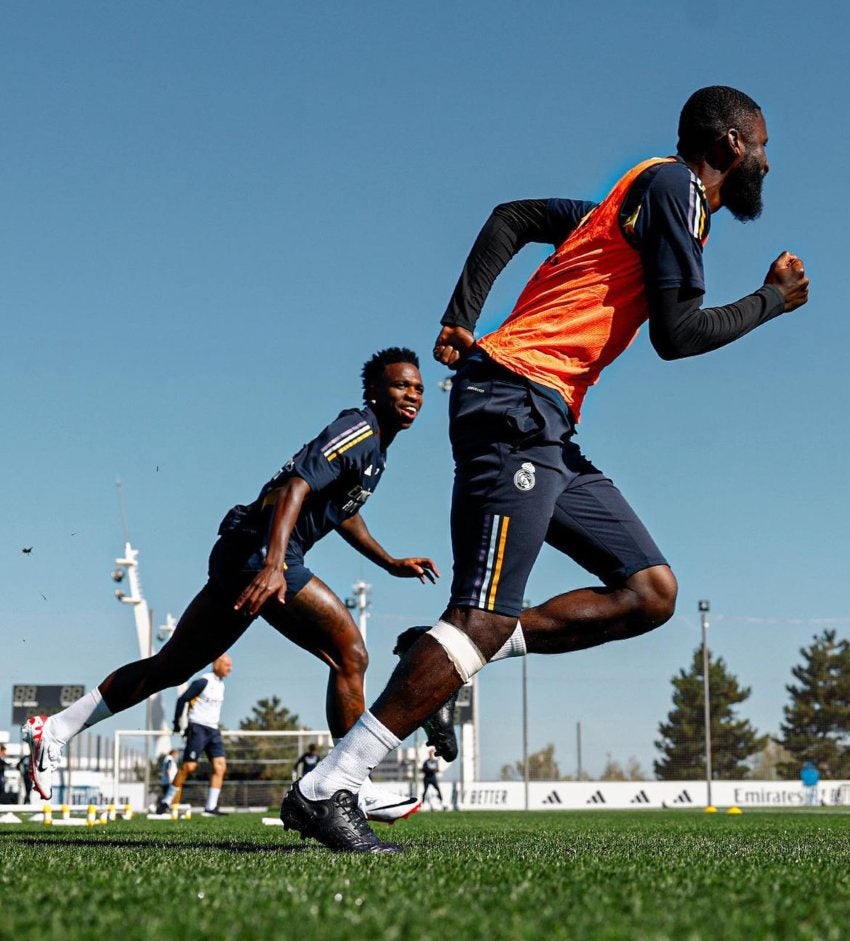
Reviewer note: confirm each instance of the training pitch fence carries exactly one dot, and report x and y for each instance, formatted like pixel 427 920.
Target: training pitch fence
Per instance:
pixel 259 766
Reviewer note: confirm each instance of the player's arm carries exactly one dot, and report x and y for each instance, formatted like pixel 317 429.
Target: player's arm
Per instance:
pixel 270 580
pixel 680 327
pixel 355 532
pixel 671 226
pixel 509 228
pixel 195 688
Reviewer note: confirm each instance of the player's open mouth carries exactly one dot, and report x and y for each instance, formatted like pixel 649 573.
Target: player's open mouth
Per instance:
pixel 409 412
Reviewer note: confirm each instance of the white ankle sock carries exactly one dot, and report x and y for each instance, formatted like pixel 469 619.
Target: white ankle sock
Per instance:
pixel 351 761
pixel 212 798
pixel 514 646
pixel 85 712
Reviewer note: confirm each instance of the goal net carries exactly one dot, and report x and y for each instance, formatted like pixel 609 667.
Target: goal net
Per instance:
pixel 260 766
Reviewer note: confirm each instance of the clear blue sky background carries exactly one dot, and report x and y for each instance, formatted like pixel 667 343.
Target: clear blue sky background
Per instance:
pixel 213 213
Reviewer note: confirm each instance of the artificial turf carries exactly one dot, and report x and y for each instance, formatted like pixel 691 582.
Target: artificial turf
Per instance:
pixel 585 875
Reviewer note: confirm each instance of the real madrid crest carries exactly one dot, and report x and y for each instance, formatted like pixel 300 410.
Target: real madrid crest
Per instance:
pixel 524 477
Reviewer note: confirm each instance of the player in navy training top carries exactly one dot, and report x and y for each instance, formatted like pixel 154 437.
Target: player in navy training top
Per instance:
pixel 430 769
pixel 308 760
pixel 168 768
pixel 257 565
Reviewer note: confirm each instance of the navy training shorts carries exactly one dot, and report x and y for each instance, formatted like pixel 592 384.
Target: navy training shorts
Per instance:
pixel 237 557
pixel 202 740
pixel 520 481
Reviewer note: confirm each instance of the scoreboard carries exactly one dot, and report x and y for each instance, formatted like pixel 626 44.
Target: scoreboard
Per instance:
pixel 31 699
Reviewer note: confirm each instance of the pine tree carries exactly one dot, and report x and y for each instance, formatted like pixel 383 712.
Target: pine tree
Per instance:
pixel 270 716
pixel 682 742
pixel 817 720
pixel 260 758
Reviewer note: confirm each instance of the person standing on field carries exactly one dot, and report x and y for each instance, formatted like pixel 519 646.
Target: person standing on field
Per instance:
pixel 168 770
pixel 204 698
pixel 430 769
pixel 308 760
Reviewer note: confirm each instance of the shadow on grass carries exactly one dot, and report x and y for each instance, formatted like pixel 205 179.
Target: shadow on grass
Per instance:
pixel 225 846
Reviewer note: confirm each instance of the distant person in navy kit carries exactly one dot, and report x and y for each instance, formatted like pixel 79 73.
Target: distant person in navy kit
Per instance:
pixel 23 767
pixel 168 771
pixel 204 697
pixel 3 765
pixel 430 767
pixel 308 760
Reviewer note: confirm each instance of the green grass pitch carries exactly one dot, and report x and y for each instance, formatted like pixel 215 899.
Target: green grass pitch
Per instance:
pixel 583 875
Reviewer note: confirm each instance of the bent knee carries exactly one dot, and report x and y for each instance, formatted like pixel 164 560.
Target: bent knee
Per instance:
pixel 657 589
pixel 354 659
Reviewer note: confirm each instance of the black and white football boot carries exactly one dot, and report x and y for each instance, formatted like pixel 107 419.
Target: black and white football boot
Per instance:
pixel 337 822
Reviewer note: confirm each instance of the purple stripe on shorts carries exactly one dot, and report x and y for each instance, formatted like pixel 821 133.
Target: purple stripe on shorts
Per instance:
pixel 483 555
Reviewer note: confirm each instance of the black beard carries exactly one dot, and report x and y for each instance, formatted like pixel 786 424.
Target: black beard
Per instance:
pixel 742 190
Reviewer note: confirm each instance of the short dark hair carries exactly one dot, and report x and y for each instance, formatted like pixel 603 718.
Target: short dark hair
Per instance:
pixel 373 368
pixel 708 114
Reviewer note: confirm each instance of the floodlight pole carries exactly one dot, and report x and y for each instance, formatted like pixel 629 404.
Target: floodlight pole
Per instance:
pixel 127 566
pixel 579 769
pixel 361 594
pixel 704 607
pixel 360 603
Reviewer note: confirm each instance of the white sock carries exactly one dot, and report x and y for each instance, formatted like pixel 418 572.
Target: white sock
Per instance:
pixel 367 788
pixel 351 761
pixel 170 794
pixel 82 714
pixel 212 798
pixel 514 646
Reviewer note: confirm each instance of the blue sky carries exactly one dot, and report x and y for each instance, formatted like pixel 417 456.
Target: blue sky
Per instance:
pixel 215 212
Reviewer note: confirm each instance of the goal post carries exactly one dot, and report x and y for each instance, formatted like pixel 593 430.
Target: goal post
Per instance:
pixel 260 766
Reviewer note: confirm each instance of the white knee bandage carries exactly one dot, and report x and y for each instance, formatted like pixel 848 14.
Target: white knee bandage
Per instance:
pixel 466 658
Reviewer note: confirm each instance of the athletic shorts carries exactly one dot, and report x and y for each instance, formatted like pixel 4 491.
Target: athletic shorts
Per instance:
pixel 236 558
pixel 520 481
pixel 200 740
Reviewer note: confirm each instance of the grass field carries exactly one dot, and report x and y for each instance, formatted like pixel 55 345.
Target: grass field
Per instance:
pixel 589 875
